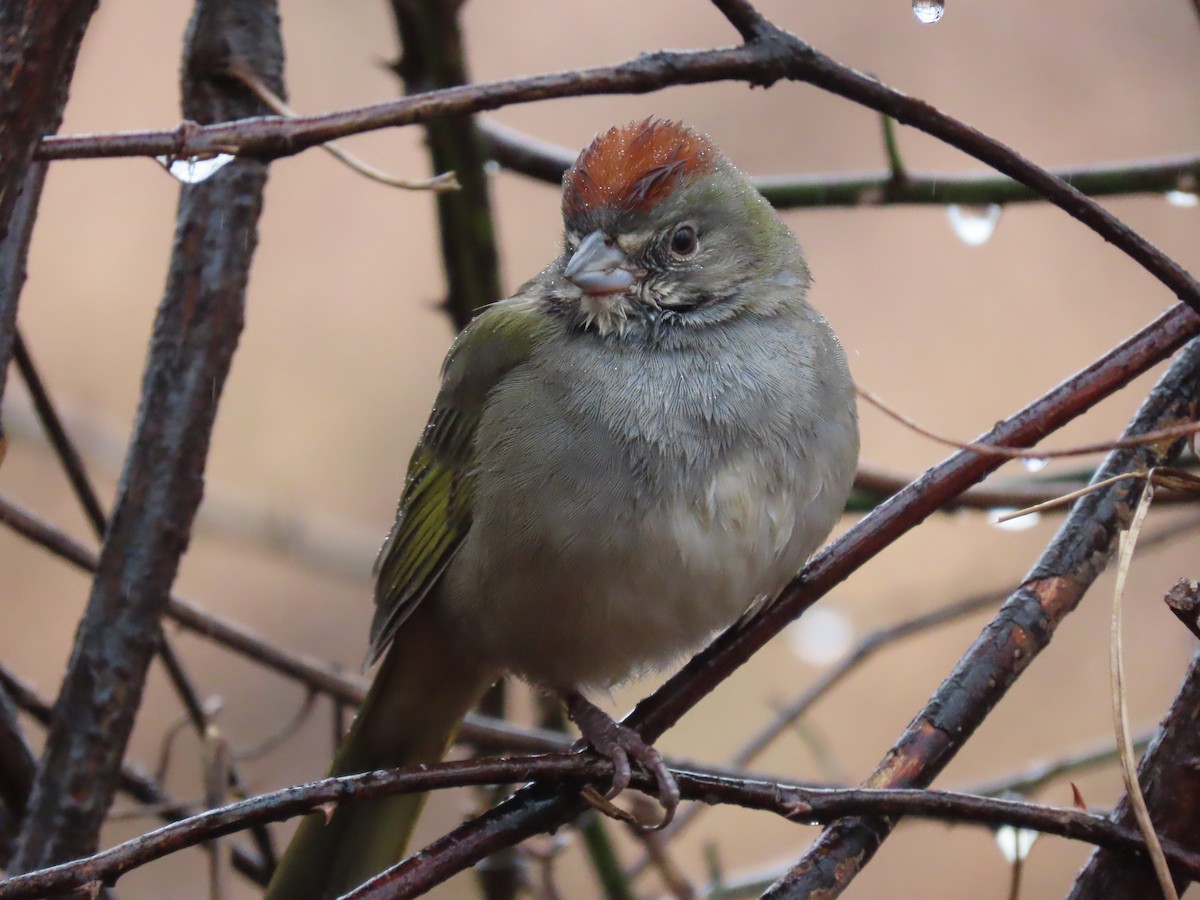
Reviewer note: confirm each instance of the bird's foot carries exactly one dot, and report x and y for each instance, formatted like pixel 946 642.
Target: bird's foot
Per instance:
pixel 619 745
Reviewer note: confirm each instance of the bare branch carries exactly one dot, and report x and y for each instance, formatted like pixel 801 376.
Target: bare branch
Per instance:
pixel 41 43
pixel 1171 784
pixel 742 15
pixel 194 337
pixel 794 803
pixel 1023 628
pixel 546 162
pixel 769 58
pixel 535 809
pixel 132 780
pixel 432 56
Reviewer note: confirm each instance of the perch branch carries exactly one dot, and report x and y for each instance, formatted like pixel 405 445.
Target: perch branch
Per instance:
pixel 799 804
pixel 534 809
pixel 195 333
pixel 1022 629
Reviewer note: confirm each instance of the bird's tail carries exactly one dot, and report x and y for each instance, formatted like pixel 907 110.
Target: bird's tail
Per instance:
pixel 410 716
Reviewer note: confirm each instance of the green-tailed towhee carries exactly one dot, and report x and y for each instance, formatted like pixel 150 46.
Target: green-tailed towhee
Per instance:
pixel 650 435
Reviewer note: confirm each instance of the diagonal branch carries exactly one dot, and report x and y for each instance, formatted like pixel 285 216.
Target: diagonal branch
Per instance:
pixel 197 328
pixel 40 44
pixel 533 810
pixel 1170 781
pixel 1022 629
pixel 72 464
pixel 132 780
pixel 772 56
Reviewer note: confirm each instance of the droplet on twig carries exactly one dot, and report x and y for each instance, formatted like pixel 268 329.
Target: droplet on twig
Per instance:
pixel 1033 464
pixel 1015 843
pixel 974 225
pixel 1183 199
pixel 928 11
pixel 1023 523
pixel 194 169
pixel 821 636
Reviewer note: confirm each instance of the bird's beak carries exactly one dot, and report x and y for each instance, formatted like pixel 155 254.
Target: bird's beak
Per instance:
pixel 599 266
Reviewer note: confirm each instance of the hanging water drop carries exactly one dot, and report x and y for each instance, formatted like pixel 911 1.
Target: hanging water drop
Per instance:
pixel 1015 843
pixel 928 11
pixel 1023 523
pixel 1184 199
pixel 194 169
pixel 974 225
pixel 821 636
pixel 1032 464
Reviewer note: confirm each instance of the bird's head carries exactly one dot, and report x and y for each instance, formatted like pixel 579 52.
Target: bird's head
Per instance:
pixel 661 228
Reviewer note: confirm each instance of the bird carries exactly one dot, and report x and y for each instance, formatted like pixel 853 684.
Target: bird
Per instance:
pixel 645 440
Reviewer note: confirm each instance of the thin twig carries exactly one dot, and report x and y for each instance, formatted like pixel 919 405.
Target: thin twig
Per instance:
pixel 1120 709
pixel 1183 429
pixel 1020 631
pixel 1170 780
pixel 792 802
pixel 767 59
pixel 443 182
pixel 544 161
pixel 147 791
pixel 196 331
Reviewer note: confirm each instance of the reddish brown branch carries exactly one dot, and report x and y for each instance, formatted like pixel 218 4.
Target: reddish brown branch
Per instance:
pixel 1170 781
pixel 196 331
pixel 533 808
pixel 1022 629
pixel 792 802
pixel 771 56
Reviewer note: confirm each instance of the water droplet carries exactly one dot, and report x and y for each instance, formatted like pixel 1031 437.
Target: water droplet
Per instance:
pixel 195 169
pixel 1185 199
pixel 974 225
pixel 1034 465
pixel 1015 843
pixel 1024 523
pixel 821 636
pixel 928 11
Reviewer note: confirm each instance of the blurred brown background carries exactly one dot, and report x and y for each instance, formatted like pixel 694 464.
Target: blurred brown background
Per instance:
pixel 339 364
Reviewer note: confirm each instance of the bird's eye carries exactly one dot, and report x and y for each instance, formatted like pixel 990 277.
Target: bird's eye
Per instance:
pixel 684 241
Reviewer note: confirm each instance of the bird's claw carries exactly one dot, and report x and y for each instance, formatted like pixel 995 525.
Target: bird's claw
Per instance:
pixel 620 744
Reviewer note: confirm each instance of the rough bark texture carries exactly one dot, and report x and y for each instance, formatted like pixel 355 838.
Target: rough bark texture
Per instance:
pixel 195 333
pixel 39 43
pixel 1023 628
pixel 1170 779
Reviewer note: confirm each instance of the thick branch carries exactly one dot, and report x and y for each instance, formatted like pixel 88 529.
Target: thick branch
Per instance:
pixel 133 781
pixel 777 55
pixel 1022 629
pixel 39 43
pixel 533 809
pixel 195 333
pixel 1170 781
pixel 433 56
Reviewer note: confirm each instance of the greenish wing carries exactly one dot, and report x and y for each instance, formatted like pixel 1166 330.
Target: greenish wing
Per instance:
pixel 434 513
